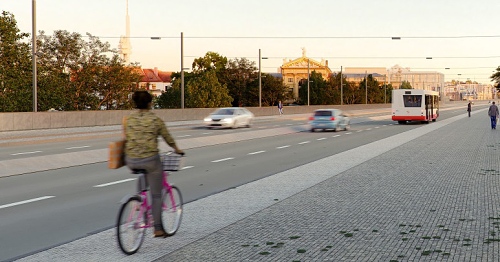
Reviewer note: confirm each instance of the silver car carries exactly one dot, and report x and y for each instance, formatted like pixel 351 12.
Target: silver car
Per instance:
pixel 232 117
pixel 333 119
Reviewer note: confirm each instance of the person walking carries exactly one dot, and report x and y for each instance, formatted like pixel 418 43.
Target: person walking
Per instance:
pixel 469 107
pixel 280 107
pixel 141 129
pixel 493 113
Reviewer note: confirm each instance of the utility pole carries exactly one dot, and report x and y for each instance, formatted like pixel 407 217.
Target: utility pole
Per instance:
pixel 33 21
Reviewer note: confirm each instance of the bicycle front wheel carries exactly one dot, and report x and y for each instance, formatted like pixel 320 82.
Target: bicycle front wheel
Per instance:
pixel 131 226
pixel 171 214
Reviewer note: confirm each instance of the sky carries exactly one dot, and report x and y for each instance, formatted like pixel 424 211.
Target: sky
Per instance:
pixel 460 35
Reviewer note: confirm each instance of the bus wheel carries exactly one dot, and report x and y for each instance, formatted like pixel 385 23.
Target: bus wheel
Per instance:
pixel 401 122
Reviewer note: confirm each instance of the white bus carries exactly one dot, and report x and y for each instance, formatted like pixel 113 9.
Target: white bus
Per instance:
pixel 414 105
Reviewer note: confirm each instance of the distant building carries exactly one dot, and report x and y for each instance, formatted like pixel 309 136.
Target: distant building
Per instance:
pixel 295 71
pixel 426 80
pixel 155 81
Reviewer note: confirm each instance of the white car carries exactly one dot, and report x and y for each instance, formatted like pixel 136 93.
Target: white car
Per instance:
pixel 232 117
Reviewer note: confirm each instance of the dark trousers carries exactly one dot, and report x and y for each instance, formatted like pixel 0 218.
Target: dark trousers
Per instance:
pixel 493 122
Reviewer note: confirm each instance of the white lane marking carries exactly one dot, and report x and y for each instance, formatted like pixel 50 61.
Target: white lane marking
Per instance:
pixel 289 124
pixel 359 131
pixel 261 127
pixel 183 136
pixel 281 147
pixel 305 142
pixel 26 201
pixel 26 153
pixel 348 133
pixel 319 139
pixel 207 133
pixel 223 159
pixel 336 136
pixel 77 147
pixel 257 152
pixel 116 182
pixel 187 167
pixel 377 127
pixel 368 129
pixel 276 125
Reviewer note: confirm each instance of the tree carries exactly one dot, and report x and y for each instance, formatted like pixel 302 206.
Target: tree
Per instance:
pixel 241 78
pixel 211 61
pixel 273 90
pixel 406 85
pixel 101 80
pixel 205 91
pixel 16 92
pixel 496 78
pixel 58 56
pixel 318 93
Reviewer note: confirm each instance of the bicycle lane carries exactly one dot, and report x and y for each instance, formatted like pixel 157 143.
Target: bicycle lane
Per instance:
pixel 205 216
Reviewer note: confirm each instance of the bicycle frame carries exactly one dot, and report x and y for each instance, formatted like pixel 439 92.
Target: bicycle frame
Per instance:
pixel 168 189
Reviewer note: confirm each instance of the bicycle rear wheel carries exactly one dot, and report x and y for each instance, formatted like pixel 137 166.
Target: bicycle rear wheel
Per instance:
pixel 171 214
pixel 131 226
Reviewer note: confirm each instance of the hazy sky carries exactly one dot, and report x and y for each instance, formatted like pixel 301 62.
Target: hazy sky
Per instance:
pixel 461 35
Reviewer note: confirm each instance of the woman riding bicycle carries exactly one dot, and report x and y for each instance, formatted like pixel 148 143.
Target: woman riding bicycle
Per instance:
pixel 141 129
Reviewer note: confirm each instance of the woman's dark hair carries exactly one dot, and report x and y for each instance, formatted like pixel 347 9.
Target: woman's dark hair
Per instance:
pixel 142 99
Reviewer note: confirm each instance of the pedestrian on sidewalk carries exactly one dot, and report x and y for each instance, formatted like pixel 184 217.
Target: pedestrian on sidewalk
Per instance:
pixel 493 113
pixel 280 107
pixel 469 107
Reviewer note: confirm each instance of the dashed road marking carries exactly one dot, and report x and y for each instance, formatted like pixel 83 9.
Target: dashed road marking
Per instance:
pixel 26 201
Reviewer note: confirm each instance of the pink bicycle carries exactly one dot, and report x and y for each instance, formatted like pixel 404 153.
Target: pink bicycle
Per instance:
pixel 135 214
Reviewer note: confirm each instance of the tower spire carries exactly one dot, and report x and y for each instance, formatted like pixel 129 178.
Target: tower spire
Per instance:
pixel 125 46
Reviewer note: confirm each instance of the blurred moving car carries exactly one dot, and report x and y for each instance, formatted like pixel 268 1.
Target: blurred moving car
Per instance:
pixel 232 117
pixel 333 119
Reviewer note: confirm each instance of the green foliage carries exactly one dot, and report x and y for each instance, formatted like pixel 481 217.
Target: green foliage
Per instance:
pixel 170 98
pixel 15 67
pixel 205 91
pixel 496 78
pixel 320 93
pixel 241 78
pixel 72 74
pixel 405 85
pixel 273 90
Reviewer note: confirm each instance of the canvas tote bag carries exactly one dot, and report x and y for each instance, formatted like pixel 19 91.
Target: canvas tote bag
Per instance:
pixel 116 158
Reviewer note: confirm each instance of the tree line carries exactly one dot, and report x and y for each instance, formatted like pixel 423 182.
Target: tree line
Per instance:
pixel 78 72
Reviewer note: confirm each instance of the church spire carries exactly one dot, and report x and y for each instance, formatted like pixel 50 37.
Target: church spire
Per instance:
pixel 125 46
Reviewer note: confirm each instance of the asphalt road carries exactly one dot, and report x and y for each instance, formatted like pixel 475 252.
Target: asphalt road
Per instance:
pixel 71 203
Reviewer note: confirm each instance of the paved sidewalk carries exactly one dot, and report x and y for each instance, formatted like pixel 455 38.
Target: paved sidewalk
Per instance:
pixel 435 198
pixel 429 194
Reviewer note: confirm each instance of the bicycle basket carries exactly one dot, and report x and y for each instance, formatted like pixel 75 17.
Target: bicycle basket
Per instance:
pixel 172 161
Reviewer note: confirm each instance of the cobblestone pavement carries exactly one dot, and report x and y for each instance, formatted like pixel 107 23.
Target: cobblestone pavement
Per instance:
pixel 429 194
pixel 435 198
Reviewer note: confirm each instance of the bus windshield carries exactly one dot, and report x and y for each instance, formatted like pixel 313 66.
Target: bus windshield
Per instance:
pixel 412 100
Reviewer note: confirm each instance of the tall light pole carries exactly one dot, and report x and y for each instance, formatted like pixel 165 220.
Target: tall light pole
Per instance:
pixel 341 88
pixel 366 88
pixel 260 79
pixel 33 22
pixel 182 70
pixel 308 82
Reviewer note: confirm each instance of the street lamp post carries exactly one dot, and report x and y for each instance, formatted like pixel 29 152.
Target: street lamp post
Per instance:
pixel 308 82
pixel 366 87
pixel 260 79
pixel 33 21
pixel 341 88
pixel 182 70
pixel 385 89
